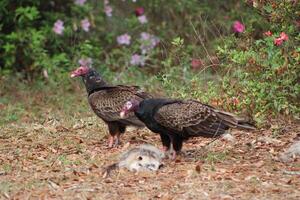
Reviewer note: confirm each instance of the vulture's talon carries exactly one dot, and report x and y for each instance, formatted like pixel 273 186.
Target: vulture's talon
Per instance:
pixel 170 154
pixel 116 141
pixel 110 142
pixel 173 155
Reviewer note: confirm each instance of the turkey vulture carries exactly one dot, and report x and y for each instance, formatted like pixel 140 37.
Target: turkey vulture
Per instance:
pixel 107 101
pixel 177 120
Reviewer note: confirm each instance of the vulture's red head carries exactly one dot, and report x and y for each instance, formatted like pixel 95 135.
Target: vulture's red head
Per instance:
pixel 80 71
pixel 129 106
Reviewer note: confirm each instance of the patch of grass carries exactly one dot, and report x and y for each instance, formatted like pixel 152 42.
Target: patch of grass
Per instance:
pixel 4 100
pixel 12 113
pixel 277 131
pixel 77 162
pixel 20 100
pixel 33 184
pixel 254 181
pixel 68 142
pixel 214 157
pixel 7 168
pixel 79 148
pixel 64 160
pixel 227 186
pixel 5 186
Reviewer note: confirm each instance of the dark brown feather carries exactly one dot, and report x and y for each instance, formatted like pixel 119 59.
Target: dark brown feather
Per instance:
pixel 108 102
pixel 192 118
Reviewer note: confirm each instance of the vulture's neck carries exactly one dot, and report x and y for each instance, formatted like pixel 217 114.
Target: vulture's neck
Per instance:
pixel 93 82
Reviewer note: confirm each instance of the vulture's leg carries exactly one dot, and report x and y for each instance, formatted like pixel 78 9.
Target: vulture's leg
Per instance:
pixel 177 145
pixel 166 142
pixel 110 141
pixel 113 129
pixel 121 130
pixel 116 140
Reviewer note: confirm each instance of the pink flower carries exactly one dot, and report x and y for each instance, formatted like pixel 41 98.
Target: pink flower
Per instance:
pixel 196 63
pixel 145 36
pixel 85 25
pixel 154 41
pixel 137 60
pixel 108 10
pixel 148 42
pixel 79 2
pixel 124 39
pixel 284 36
pixel 87 62
pixel 143 19
pixel 58 27
pixel 268 33
pixel 139 11
pixel 278 41
pixel 238 27
pixel 235 101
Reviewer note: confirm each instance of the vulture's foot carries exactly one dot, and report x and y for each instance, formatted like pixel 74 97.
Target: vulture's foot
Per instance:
pixel 110 141
pixel 116 140
pixel 171 154
pixel 113 141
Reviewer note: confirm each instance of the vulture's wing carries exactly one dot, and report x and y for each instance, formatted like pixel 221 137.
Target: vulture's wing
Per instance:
pixel 192 118
pixel 108 102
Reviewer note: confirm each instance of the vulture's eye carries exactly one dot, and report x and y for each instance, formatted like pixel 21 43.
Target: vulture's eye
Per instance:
pixel 140 158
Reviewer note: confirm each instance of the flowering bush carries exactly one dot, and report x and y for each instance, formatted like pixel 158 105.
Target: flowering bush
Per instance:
pixel 264 73
pixel 50 37
pixel 242 55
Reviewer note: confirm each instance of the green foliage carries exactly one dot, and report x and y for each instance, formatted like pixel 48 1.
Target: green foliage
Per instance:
pixel 23 15
pixel 264 76
pixel 214 157
pixel 241 72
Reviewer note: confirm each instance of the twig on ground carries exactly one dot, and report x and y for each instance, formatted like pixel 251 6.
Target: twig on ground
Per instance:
pixel 291 172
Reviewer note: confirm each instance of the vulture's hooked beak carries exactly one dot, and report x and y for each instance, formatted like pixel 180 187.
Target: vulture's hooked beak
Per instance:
pixel 73 75
pixel 127 108
pixel 80 71
pixel 123 114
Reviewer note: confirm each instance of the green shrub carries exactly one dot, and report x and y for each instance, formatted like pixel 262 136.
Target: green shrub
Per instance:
pixel 214 51
pixel 262 74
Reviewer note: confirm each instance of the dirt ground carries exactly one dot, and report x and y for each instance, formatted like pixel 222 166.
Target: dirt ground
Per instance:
pixel 58 160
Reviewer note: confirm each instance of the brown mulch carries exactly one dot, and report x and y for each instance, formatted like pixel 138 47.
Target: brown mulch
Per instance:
pixel 57 160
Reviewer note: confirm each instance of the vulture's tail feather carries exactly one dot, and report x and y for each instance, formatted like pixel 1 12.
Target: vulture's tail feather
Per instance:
pixel 234 121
